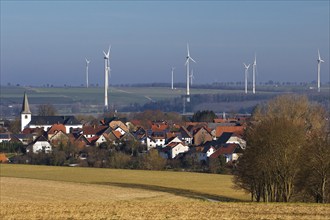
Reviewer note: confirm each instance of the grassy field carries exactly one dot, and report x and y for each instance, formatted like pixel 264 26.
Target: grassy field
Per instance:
pixel 118 95
pixel 41 192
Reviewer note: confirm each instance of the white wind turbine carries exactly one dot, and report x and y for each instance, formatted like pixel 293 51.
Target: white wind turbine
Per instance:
pixel 254 74
pixel 188 58
pixel 87 63
pixel 106 75
pixel 319 61
pixel 173 68
pixel 246 75
pixel 191 76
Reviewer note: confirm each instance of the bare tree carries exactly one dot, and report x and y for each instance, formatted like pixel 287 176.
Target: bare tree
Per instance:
pixel 276 137
pixel 46 110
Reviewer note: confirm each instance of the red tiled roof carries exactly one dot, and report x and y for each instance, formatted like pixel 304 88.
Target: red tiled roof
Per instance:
pixel 117 134
pixel 3 158
pixel 239 130
pixel 227 149
pixel 55 128
pixel 93 139
pixel 159 126
pixel 93 129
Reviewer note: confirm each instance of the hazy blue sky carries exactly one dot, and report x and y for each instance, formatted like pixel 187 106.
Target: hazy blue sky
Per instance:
pixel 47 42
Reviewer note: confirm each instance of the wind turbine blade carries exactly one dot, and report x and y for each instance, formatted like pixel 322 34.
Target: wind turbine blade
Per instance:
pixel 105 55
pixel 188 50
pixel 187 61
pixel 109 50
pixel 192 59
pixel 318 52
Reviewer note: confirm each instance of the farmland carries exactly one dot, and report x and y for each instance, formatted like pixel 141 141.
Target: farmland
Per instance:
pixel 43 192
pixel 80 100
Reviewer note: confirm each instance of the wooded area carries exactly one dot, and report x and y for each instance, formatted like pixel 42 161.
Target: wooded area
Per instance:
pixel 287 157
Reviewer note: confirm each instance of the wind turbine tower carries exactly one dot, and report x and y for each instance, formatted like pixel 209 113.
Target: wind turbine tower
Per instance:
pixel 254 74
pixel 192 77
pixel 319 61
pixel 188 58
pixel 246 75
pixel 106 75
pixel 87 63
pixel 173 68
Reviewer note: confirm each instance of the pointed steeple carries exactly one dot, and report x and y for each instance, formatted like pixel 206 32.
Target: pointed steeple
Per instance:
pixel 25 106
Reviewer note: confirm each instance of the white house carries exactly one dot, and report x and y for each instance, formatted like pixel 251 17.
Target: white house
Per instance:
pixel 237 140
pixel 172 150
pixel 153 142
pixel 39 144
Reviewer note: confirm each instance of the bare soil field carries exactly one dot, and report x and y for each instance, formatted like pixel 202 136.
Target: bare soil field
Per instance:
pixel 40 192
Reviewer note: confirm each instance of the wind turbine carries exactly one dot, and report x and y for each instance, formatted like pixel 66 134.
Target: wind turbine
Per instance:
pixel 254 74
pixel 246 75
pixel 188 58
pixel 106 74
pixel 319 61
pixel 87 63
pixel 173 68
pixel 192 77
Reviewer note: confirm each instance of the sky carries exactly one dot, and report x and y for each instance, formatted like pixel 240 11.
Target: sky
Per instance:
pixel 47 42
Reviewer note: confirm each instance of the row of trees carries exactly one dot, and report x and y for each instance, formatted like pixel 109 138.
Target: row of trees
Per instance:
pixel 288 152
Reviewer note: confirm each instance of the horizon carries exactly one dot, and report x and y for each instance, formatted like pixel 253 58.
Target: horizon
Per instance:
pixel 47 42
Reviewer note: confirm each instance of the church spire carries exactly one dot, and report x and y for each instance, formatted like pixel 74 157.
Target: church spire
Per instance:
pixel 25 106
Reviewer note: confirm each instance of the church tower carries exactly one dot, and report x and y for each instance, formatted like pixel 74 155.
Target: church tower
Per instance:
pixel 25 113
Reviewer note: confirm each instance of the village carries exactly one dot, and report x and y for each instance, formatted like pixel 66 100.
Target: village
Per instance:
pixel 119 143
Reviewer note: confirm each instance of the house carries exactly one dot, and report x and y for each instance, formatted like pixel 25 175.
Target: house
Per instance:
pixel 201 153
pixel 38 145
pixel 230 137
pixel 229 127
pixel 97 140
pixel 140 135
pixel 201 135
pixel 30 121
pixel 93 130
pixel 58 138
pixel 16 138
pixel 119 125
pixel 172 150
pixel 186 135
pixel 78 140
pixel 230 151
pixel 24 138
pixel 5 137
pixel 54 129
pixel 155 141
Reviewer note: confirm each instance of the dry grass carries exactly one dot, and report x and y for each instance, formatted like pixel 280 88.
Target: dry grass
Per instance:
pixel 218 187
pixel 117 196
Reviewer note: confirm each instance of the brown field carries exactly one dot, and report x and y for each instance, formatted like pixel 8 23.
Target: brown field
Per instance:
pixel 76 193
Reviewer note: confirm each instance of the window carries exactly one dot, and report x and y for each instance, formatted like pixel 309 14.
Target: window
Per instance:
pixel 26 116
